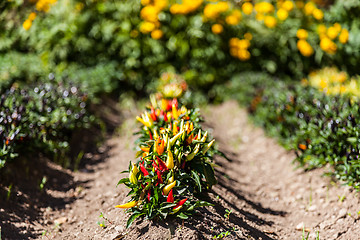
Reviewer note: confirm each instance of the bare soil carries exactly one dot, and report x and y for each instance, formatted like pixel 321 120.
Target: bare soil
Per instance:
pixel 260 194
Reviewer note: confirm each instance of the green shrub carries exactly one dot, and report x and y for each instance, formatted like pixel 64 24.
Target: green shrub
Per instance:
pixel 41 117
pixel 322 129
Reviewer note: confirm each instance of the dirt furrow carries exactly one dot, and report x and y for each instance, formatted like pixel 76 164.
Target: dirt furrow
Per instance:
pixel 259 194
pixel 265 189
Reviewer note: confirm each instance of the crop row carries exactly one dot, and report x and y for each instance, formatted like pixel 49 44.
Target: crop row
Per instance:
pixel 321 126
pixel 175 160
pixel 40 117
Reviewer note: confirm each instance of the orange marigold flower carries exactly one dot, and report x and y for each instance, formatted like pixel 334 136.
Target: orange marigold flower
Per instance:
pixel 217 28
pixel 27 24
pixel 156 34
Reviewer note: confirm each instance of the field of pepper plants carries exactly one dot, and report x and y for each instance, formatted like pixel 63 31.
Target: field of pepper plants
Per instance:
pixel 74 72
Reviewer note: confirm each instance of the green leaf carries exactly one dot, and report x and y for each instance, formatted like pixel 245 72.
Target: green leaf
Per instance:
pixel 209 174
pixel 167 205
pixel 352 139
pixel 196 179
pixel 182 216
pixel 124 180
pixel 132 218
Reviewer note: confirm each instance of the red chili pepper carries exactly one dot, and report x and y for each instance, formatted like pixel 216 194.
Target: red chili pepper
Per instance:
pixel 143 169
pixel 153 114
pixel 149 195
pixel 183 164
pixel 164 115
pixel 170 197
pixel 169 106
pixel 160 180
pixel 162 165
pixel 180 203
pixel 151 137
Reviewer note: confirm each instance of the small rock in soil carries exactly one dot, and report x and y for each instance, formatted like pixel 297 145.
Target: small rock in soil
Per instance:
pixel 301 226
pixel 60 221
pixel 312 208
pixel 342 213
pixel 119 228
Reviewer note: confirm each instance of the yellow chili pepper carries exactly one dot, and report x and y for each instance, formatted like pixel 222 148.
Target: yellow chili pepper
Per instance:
pixel 156 135
pixel 171 179
pixel 193 153
pixel 174 138
pixel 199 135
pixel 203 139
pixel 175 130
pixel 132 174
pixel 170 160
pixel 168 187
pixel 207 146
pixel 175 112
pixel 128 205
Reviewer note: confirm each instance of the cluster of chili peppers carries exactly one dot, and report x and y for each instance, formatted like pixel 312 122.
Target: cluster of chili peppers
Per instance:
pixel 171 142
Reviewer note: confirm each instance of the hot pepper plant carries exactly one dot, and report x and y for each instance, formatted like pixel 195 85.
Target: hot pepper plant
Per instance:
pixel 174 161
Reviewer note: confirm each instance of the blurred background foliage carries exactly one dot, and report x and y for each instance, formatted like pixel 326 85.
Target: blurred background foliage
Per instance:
pixel 107 48
pixel 108 38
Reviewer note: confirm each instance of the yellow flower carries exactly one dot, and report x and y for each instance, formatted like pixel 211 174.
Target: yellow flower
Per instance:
pixel 32 16
pixel 44 5
pixel 149 13
pixel 233 42
pixel 177 9
pixel 309 8
pixel 186 7
pixel 243 44
pixel 247 8
pixel 344 36
pixel 318 14
pixel 156 34
pixel 332 32
pixel 288 5
pixel 146 27
pixel 234 18
pixel 243 54
pixel 248 36
pixel 327 45
pixel 233 52
pixel 27 24
pixel 231 20
pixel 160 4
pixel 217 28
pixel 321 29
pixel 337 26
pixel 305 48
pixel 302 34
pixel 282 14
pixel 145 2
pixel 212 11
pixel 223 6
pixel 270 21
pixel 323 83
pixel 264 7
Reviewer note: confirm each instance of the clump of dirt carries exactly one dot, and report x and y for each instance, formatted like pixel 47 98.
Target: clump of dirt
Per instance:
pixel 259 195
